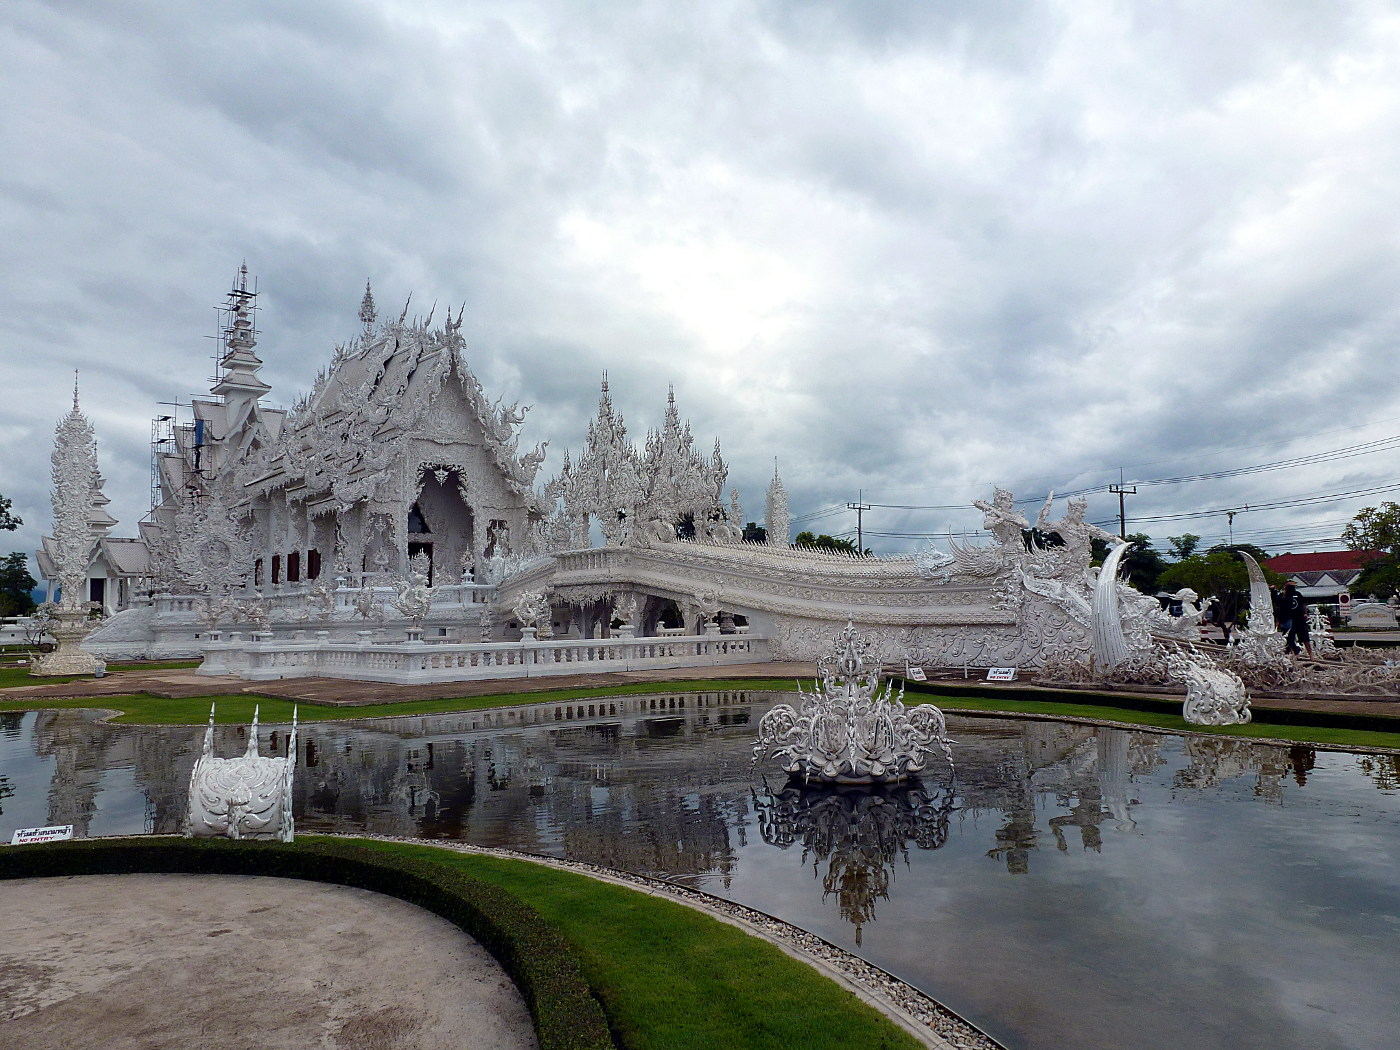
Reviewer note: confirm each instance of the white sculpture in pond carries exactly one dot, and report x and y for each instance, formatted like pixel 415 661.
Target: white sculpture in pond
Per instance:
pixel 1214 695
pixel 242 798
pixel 848 731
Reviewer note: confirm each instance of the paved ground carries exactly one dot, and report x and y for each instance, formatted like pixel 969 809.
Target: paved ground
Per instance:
pixel 338 692
pixel 122 962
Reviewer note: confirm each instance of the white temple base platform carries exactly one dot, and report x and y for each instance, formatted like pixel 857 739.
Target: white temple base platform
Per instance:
pixel 415 663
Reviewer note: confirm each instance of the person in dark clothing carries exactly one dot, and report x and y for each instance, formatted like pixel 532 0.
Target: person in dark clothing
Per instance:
pixel 1280 613
pixel 1295 609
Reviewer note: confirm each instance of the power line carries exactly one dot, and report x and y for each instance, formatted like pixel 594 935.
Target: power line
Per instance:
pixel 1312 500
pixel 1345 452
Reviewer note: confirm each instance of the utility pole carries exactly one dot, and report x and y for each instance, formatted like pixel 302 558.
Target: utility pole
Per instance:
pixel 860 508
pixel 1121 491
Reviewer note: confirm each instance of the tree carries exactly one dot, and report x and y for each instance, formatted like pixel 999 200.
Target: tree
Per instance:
pixel 1220 573
pixel 8 522
pixel 1259 554
pixel 1142 564
pixel 1376 529
pixel 825 542
pixel 1183 546
pixel 15 585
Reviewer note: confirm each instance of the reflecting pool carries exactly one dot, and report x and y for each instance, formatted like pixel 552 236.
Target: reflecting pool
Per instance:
pixel 1071 887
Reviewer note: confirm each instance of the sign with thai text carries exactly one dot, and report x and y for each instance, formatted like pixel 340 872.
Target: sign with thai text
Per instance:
pixel 26 836
pixel 916 673
pixel 1001 674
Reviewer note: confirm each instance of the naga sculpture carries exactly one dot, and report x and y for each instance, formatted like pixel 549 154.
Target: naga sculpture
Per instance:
pixel 242 798
pixel 848 730
pixel 1214 695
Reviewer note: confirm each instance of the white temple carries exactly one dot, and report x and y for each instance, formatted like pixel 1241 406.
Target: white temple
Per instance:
pixel 394 497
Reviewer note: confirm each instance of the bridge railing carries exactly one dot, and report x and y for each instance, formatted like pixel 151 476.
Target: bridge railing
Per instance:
pixel 406 663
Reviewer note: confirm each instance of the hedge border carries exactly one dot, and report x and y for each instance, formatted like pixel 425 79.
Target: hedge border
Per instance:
pixel 531 950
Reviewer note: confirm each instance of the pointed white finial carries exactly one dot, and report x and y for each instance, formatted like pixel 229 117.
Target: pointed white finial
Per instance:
pixel 367 309
pixel 75 390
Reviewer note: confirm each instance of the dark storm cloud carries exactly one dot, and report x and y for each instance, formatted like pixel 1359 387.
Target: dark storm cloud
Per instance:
pixel 908 249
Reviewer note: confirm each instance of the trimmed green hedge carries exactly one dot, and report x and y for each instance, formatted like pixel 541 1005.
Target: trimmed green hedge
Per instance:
pixel 531 950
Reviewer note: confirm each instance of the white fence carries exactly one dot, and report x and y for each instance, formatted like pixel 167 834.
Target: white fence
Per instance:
pixel 408 663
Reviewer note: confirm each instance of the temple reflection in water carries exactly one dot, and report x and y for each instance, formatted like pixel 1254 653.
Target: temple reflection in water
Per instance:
pixel 1067 878
pixel 660 785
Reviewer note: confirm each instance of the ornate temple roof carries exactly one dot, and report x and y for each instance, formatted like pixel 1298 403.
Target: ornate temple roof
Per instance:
pixel 381 390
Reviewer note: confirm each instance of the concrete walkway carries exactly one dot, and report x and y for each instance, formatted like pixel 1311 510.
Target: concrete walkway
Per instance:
pixel 121 962
pixel 342 693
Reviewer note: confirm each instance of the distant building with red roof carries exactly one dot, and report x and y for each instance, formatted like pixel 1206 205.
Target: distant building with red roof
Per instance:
pixel 1323 574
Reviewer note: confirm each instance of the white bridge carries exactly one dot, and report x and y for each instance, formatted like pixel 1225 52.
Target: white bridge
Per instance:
pixel 415 662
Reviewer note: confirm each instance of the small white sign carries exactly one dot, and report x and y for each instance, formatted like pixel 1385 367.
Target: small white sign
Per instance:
pixel 1001 674
pixel 26 836
pixel 916 673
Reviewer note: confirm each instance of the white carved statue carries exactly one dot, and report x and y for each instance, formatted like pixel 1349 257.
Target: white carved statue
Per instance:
pixel 1214 696
pixel 242 798
pixel 848 731
pixel 1078 534
pixel 75 494
pixel 1001 520
pixel 531 608
pixel 625 608
pixel 415 597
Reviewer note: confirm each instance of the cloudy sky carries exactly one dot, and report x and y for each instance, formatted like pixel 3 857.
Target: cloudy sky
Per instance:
pixel 909 249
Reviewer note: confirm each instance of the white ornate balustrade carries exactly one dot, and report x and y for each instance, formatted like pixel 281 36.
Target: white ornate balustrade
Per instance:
pixel 408 663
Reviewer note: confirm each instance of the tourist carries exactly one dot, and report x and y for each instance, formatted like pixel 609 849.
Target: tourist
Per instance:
pixel 1295 607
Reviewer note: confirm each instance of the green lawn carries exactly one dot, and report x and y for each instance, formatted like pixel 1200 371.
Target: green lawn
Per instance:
pixel 143 709
pixel 1169 717
pixel 13 677
pixel 669 976
pixel 17 676
pixel 154 710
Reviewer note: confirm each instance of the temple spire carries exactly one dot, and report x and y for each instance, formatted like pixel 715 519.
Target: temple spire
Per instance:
pixel 238 383
pixel 367 310
pixel 778 519
pixel 75 390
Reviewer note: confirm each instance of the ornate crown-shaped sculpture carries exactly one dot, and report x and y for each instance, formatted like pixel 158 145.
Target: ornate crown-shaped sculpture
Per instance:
pixel 242 798
pixel 848 730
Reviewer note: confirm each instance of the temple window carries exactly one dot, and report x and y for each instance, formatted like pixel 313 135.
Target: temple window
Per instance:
pixel 257 573
pixel 313 564
pixel 416 521
pixel 294 567
pixel 277 568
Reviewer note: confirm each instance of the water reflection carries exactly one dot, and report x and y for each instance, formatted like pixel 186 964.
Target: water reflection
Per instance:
pixel 1072 875
pixel 858 832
